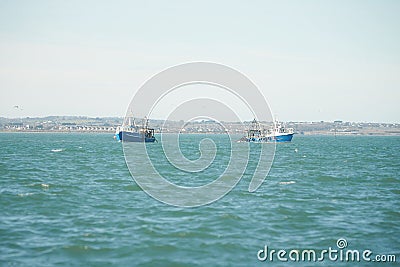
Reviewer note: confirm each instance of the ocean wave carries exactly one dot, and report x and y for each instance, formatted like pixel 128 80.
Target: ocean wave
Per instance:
pixel 289 182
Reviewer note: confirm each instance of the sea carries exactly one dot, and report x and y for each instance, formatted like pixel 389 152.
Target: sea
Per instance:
pixel 69 199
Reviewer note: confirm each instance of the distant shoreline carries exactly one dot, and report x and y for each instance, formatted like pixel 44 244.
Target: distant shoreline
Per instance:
pixel 82 124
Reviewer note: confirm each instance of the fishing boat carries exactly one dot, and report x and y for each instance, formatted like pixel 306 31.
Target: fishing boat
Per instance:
pixel 131 132
pixel 277 133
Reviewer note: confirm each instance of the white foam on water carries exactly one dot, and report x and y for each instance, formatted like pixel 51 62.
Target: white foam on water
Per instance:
pixel 57 150
pixel 24 194
pixel 289 182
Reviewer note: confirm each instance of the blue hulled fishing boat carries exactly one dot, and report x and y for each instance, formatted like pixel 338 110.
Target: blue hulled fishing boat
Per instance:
pixel 276 133
pixel 131 132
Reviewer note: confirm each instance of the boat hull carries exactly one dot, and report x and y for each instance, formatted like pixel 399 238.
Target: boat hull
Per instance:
pixel 134 137
pixel 270 139
pixel 283 138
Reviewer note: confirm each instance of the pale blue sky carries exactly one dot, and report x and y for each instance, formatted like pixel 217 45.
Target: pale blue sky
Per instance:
pixel 313 60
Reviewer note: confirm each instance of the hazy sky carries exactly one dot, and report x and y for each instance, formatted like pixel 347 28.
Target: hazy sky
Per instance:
pixel 313 60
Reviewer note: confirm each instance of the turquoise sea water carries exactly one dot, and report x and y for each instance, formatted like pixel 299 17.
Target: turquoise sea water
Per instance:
pixel 69 199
